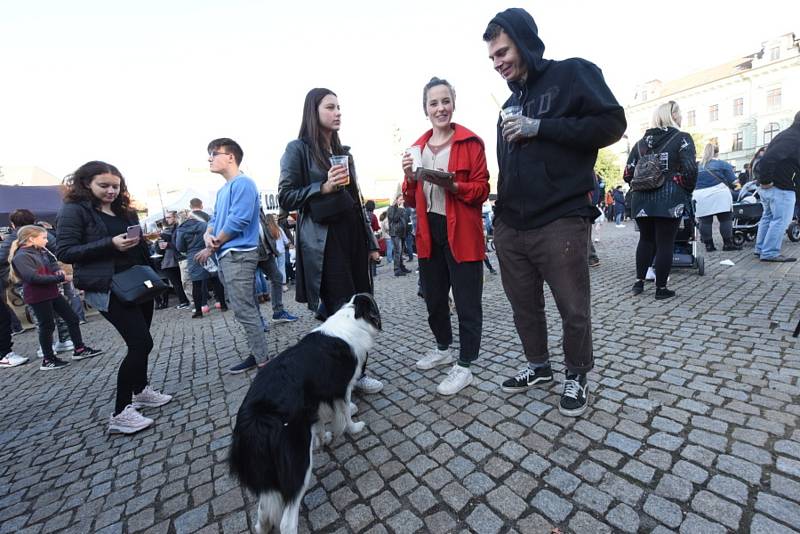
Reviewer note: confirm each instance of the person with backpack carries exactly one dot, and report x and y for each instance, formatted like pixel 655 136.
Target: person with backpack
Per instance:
pixel 778 175
pixel 662 172
pixel 712 196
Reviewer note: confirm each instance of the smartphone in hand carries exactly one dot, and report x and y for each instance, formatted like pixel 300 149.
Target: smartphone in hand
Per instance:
pixel 134 232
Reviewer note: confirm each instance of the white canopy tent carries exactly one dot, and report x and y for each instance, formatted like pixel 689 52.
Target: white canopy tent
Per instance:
pixel 173 202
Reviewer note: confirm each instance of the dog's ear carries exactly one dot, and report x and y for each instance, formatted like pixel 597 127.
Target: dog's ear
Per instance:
pixel 366 308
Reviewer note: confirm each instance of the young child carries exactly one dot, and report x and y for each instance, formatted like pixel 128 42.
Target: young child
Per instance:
pixel 41 275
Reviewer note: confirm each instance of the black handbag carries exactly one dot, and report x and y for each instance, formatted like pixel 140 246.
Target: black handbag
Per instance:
pixel 137 285
pixel 325 209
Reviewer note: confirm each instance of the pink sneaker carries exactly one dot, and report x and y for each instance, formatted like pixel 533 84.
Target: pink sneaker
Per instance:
pixel 206 309
pixel 218 305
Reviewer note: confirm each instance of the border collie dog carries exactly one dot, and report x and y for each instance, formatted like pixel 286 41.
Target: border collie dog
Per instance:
pixel 272 448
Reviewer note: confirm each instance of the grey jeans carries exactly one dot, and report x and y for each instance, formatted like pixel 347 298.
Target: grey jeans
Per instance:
pixel 238 271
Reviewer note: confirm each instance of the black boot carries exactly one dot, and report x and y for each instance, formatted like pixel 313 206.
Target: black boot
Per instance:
pixel 730 245
pixel 710 246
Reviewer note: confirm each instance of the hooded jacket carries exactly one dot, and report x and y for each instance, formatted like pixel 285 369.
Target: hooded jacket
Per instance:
pixel 37 269
pixel 550 176
pixel 463 209
pixel 780 164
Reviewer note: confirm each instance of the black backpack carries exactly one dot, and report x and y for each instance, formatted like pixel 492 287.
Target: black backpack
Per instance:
pixel 648 174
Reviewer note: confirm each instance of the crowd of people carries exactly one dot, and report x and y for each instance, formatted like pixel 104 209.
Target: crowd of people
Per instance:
pixel 560 113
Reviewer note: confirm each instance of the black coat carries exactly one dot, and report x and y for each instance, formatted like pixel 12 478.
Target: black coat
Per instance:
pixel 189 240
pixel 84 242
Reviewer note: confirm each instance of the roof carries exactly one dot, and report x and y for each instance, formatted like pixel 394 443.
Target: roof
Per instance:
pixel 732 67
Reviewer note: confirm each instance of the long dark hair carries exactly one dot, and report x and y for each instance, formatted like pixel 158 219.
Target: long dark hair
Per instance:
pixel 311 131
pixel 78 189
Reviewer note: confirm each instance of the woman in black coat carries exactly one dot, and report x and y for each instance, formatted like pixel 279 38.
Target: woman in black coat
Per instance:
pixel 658 212
pixel 334 242
pixel 92 236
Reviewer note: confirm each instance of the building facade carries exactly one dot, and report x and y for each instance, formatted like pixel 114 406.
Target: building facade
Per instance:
pixel 741 104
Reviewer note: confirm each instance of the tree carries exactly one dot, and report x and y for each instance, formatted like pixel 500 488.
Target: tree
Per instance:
pixel 608 166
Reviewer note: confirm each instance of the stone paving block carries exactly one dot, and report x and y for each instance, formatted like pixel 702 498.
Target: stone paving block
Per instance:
pixel 592 498
pixel 675 488
pixel 764 525
pixel 551 505
pixel 719 510
pixel 663 510
pixel 192 521
pixel 729 488
pixel 405 523
pixel 506 502
pixel 694 524
pixel 624 518
pixel 779 508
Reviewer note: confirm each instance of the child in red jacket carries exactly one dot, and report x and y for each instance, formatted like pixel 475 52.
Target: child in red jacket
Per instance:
pixel 41 275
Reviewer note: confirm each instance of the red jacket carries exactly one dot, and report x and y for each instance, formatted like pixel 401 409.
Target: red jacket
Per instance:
pixel 464 218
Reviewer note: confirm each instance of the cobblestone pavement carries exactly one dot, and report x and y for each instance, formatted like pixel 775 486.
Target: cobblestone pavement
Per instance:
pixel 692 427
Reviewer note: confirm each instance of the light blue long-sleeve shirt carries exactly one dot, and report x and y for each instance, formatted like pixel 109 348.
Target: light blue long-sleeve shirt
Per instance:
pixel 236 213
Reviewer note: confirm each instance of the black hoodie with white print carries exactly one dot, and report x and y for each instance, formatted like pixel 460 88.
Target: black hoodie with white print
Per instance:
pixel 551 175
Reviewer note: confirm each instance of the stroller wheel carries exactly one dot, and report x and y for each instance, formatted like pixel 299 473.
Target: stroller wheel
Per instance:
pixel 738 238
pixel 793 232
pixel 701 265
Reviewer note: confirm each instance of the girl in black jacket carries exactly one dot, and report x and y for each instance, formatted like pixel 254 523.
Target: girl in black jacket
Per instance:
pixel 41 275
pixel 92 236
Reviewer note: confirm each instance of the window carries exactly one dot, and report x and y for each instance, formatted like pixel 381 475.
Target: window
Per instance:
pixel 738 107
pixel 774 97
pixel 691 118
pixel 774 53
pixel 644 95
pixel 770 131
pixel 738 141
pixel 713 113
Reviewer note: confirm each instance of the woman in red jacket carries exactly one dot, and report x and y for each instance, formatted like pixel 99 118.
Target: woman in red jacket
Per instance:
pixel 449 235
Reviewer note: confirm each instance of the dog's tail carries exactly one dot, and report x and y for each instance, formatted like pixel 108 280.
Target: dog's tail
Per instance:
pixel 268 454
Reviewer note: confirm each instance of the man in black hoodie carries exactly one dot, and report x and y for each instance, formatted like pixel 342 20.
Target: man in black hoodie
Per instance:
pixel 779 179
pixel 544 210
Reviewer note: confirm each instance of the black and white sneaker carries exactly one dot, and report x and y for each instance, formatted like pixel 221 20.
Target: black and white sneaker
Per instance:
pixel 85 352
pixel 575 398
pixel 50 364
pixel 183 306
pixel 527 378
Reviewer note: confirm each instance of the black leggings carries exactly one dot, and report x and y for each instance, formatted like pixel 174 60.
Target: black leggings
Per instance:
pixel 656 237
pixel 200 292
pixel 725 226
pixel 133 324
pixel 45 319
pixel 174 276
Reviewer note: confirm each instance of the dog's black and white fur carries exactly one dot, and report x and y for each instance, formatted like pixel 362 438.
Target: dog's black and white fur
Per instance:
pixel 272 448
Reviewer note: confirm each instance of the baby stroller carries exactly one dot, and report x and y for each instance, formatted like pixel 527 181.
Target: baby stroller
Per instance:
pixel 686 252
pixel 747 212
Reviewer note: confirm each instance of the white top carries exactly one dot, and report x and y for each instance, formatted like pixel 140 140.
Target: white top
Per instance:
pixel 437 158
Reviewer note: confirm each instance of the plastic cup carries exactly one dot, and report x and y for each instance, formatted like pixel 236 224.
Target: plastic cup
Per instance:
pixel 343 161
pixel 511 111
pixel 416 155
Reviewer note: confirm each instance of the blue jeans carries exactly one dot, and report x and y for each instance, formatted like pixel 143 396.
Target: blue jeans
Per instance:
pixel 778 210
pixel 389 249
pixel 618 217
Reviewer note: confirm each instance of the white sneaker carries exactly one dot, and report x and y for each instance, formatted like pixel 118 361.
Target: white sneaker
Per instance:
pixel 651 274
pixel 12 360
pixel 620 226
pixel 150 398
pixel 435 357
pixel 353 409
pixel 457 379
pixel 128 421
pixel 67 345
pixel 368 385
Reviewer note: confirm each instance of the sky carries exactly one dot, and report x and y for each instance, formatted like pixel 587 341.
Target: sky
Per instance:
pixel 146 85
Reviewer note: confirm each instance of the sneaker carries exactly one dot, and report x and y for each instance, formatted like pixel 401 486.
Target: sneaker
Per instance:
pixel 83 322
pixel 664 293
pixel 283 317
pixel 353 409
pixel 620 226
pixel 246 365
pixel 651 275
pixel 527 378
pixel 183 306
pixel 594 262
pixel 128 421
pixel 638 287
pixel 17 332
pixel 435 357
pixel 366 384
pixel 150 398
pixel 205 309
pixel 457 379
pixel 575 398
pixel 217 305
pixel 85 352
pixel 400 273
pixel 49 364
pixel 780 259
pixel 63 346
pixel 12 360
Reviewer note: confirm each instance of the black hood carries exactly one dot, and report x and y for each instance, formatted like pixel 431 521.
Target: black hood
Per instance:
pixel 520 26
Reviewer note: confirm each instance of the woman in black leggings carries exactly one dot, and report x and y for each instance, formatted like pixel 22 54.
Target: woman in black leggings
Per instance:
pixel 658 211
pixel 92 236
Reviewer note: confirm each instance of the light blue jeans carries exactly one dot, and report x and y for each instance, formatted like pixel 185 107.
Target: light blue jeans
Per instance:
pixel 778 211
